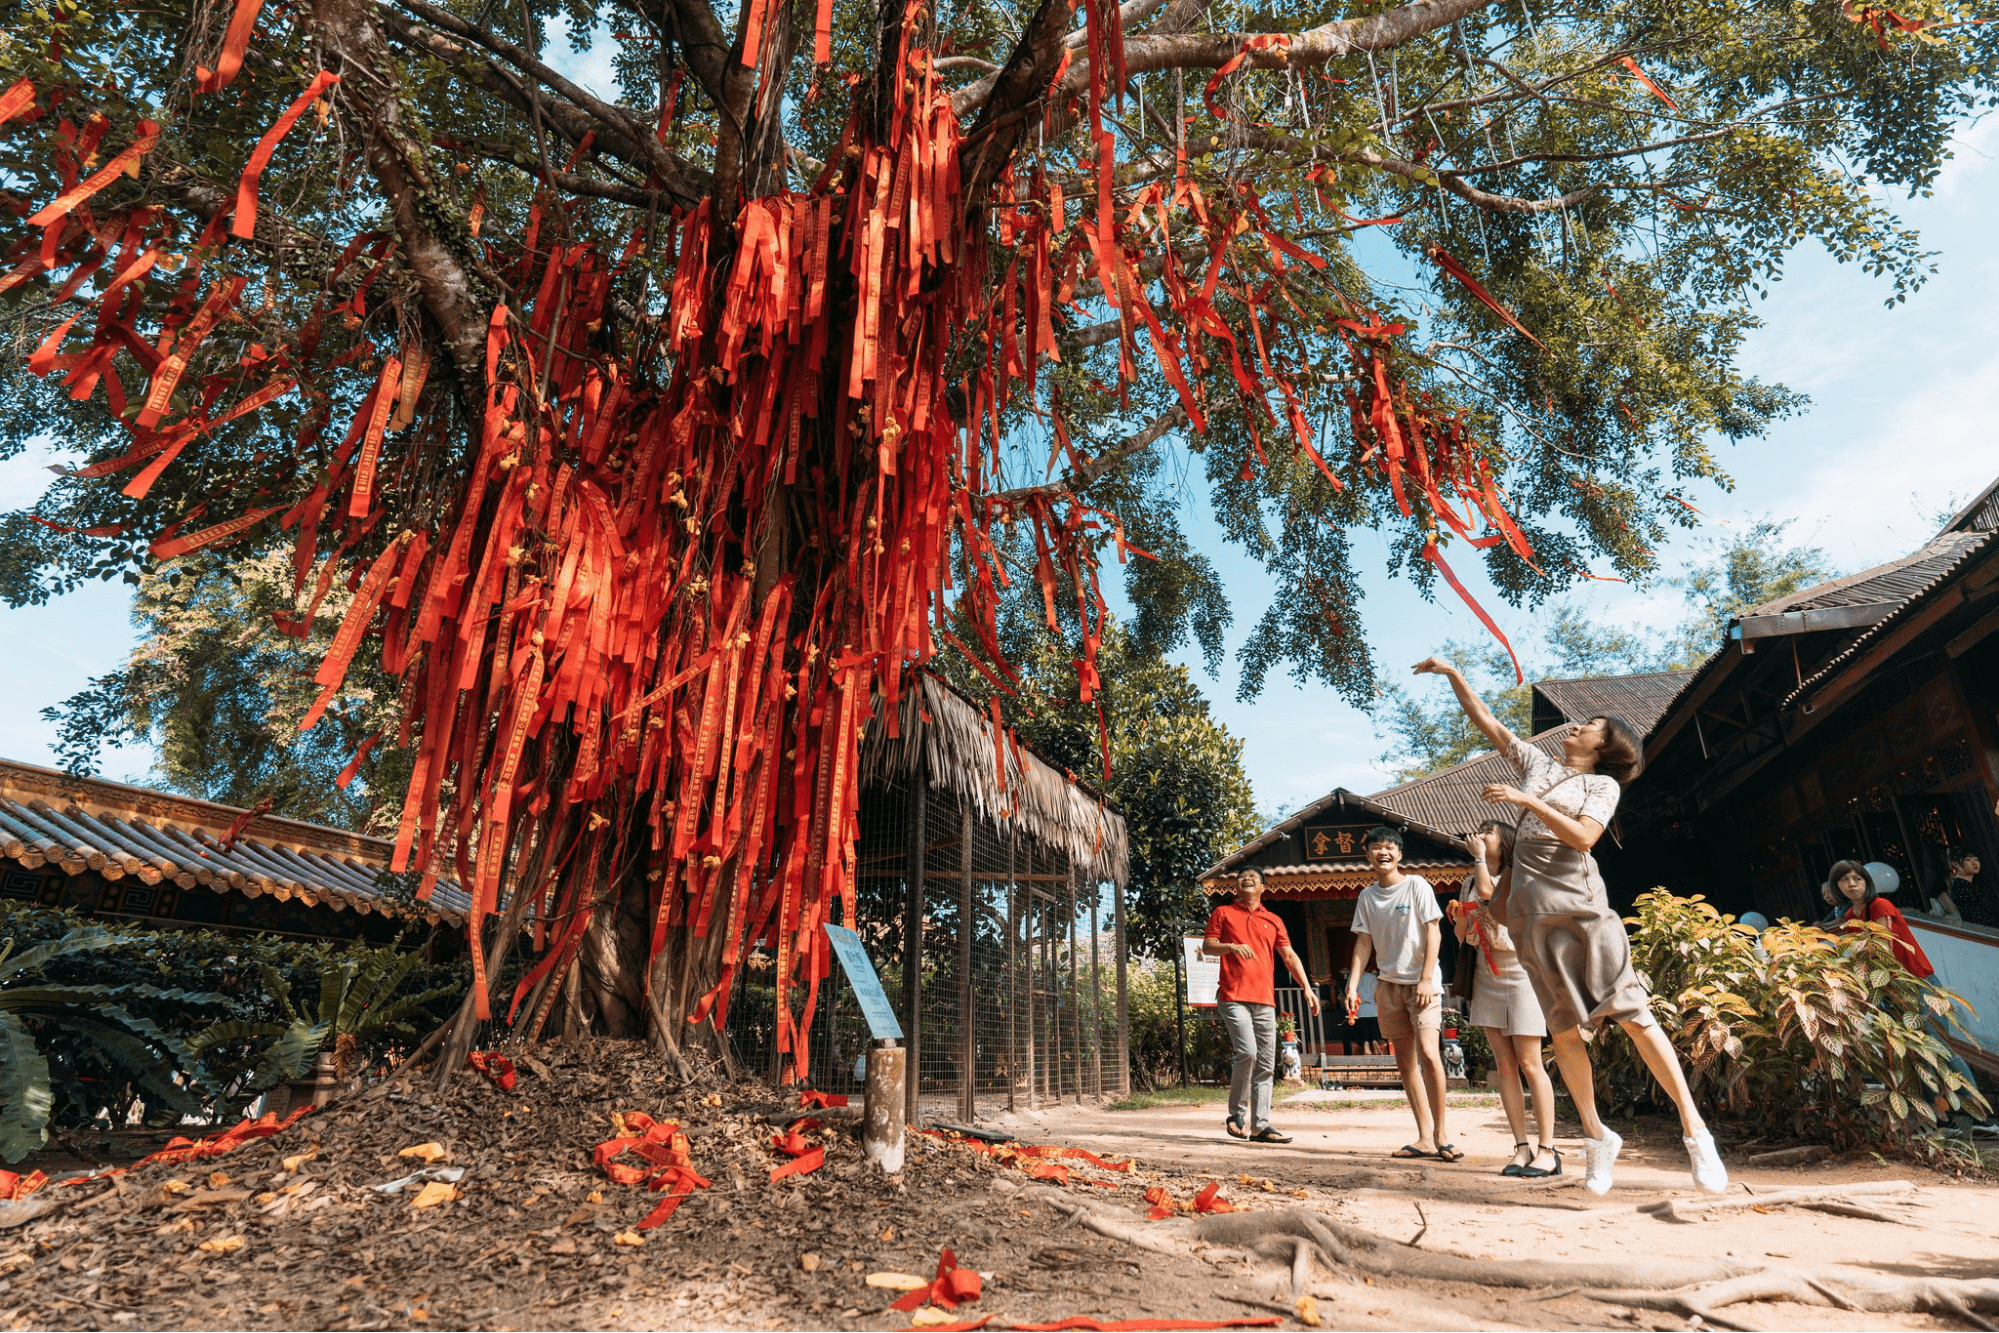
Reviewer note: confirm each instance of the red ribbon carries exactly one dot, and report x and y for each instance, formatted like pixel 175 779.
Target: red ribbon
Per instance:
pixel 498 1069
pixel 951 1286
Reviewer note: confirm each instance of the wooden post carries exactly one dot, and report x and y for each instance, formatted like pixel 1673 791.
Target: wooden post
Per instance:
pixel 1031 940
pixel 912 945
pixel 1012 975
pixel 1075 990
pixel 968 1092
pixel 1123 1011
pixel 1096 995
pixel 885 1093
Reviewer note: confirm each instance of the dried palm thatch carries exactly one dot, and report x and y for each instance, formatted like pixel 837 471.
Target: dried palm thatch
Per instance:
pixel 944 740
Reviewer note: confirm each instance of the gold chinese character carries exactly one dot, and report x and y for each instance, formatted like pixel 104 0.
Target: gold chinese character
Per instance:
pixel 1346 844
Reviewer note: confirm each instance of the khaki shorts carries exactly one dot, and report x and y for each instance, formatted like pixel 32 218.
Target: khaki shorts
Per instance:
pixel 1400 1016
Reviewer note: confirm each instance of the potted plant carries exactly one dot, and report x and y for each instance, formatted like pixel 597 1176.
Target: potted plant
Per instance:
pixel 1290 1065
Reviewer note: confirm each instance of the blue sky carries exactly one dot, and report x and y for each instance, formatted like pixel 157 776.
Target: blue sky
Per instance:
pixel 1900 424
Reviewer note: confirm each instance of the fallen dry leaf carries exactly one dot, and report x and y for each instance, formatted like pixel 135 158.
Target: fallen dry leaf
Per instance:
pixel 898 1281
pixel 809 1262
pixel 218 1179
pixel 1308 1310
pixel 185 1225
pixel 268 1196
pixel 930 1316
pixel 1301 1194
pixel 531 1201
pixel 888 1233
pixel 425 1152
pixel 594 1196
pixel 714 1099
pixel 222 1244
pixel 1758 1208
pixel 434 1193
pixel 175 1186
pixel 298 1160
pixel 628 1238
pixel 419 1316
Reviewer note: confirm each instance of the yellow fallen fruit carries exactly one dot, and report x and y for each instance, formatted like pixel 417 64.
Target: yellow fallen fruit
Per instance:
pixel 223 1245
pixel 434 1193
pixel 628 1238
pixel 929 1316
pixel 425 1152
pixel 1308 1310
pixel 594 1196
pixel 898 1281
pixel 175 1186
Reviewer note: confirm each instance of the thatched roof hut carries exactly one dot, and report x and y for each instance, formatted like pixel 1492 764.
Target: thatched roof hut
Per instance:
pixel 961 751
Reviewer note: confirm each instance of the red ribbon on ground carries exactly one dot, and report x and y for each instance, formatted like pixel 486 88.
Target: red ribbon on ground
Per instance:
pixel 951 1286
pixel 1111 1326
pixel 662 1146
pixel 497 1068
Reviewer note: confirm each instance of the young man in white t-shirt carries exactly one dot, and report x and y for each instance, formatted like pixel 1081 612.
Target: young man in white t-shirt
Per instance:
pixel 1396 920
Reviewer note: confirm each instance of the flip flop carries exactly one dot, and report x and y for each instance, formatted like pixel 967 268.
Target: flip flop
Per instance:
pixel 1269 1135
pixel 1448 1152
pixel 1410 1150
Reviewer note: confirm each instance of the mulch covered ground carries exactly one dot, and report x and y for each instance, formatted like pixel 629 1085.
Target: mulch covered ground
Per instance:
pixel 288 1231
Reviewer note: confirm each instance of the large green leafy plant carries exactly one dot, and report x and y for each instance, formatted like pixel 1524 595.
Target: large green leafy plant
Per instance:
pixel 40 1017
pixel 1793 1031
pixel 101 1022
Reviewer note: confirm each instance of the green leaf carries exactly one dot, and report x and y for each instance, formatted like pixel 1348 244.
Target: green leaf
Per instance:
pixel 25 1095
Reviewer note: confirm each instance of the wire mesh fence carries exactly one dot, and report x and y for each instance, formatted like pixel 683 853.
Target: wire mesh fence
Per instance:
pixel 1001 954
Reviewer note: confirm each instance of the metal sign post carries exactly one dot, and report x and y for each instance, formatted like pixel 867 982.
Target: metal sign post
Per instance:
pixel 885 1089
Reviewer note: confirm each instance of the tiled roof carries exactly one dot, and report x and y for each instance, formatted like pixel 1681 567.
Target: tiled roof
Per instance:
pixel 118 830
pixel 1641 700
pixel 1451 799
pixel 1893 583
pixel 1938 575
pixel 1334 798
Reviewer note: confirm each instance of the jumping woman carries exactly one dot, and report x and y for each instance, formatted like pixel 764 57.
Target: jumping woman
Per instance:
pixel 1570 942
pixel 1503 1003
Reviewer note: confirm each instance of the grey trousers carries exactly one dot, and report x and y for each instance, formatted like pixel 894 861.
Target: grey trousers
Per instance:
pixel 1253 1034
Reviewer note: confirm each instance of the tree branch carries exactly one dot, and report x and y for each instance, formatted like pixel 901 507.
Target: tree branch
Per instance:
pixel 358 51
pixel 1092 469
pixel 685 182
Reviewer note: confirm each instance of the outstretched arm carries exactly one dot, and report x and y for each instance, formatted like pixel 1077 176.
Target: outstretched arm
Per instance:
pixel 1475 709
pixel 1302 977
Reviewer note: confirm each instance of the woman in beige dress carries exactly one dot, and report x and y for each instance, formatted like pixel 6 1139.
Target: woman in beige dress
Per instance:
pixel 1503 1003
pixel 1570 942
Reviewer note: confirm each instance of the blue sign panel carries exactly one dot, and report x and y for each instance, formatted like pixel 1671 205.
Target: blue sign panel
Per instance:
pixel 867 986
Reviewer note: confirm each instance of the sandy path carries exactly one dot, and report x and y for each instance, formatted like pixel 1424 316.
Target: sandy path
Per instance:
pixel 1341 1156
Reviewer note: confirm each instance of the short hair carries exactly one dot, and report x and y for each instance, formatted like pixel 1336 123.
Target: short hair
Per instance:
pixel 1620 754
pixel 1955 858
pixel 1247 873
pixel 1839 871
pixel 1382 833
pixel 1505 831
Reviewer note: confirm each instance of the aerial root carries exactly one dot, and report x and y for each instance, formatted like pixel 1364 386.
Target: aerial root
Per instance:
pixel 1294 1236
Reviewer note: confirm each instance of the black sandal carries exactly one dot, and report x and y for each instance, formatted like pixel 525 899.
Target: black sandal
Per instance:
pixel 1532 1172
pixel 1234 1126
pixel 1515 1168
pixel 1448 1152
pixel 1269 1135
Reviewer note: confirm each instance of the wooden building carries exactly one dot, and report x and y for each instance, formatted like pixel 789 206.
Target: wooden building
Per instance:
pixel 1313 870
pixel 125 853
pixel 1857 719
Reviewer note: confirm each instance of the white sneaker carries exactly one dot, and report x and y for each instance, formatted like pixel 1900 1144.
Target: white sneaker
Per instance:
pixel 1600 1161
pixel 1709 1173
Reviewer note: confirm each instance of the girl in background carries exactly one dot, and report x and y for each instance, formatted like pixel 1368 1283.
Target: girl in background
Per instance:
pixel 1503 1003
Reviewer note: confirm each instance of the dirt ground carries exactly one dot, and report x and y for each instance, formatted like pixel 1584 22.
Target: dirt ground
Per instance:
pixel 530 1242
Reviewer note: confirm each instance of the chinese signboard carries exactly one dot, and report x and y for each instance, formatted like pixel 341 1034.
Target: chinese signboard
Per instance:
pixel 1333 842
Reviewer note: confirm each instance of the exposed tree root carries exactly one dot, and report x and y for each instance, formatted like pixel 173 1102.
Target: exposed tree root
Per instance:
pixel 1292 1236
pixel 1831 1199
pixel 1867 1293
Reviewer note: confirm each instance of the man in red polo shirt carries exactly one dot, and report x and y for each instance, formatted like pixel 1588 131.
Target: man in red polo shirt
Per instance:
pixel 1248 939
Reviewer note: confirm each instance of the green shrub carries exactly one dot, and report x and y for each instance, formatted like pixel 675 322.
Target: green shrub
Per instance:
pixel 1795 1032
pixel 113 1018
